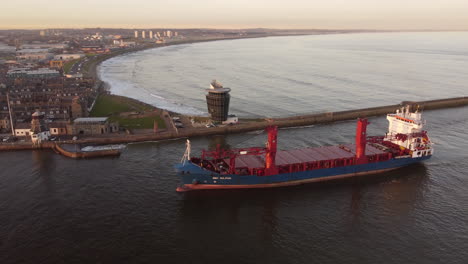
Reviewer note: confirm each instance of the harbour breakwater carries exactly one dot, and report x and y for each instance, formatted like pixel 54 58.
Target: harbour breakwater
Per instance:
pixel 293 121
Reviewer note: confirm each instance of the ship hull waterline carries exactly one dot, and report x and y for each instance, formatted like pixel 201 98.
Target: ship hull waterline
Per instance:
pixel 197 178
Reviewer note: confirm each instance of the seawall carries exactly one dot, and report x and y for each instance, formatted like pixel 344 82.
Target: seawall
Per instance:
pixel 294 121
pixel 59 149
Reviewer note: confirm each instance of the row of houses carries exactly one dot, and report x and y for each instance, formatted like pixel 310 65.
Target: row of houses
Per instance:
pixel 39 130
pixel 59 98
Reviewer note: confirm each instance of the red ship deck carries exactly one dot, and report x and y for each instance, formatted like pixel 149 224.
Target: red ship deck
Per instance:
pixel 306 155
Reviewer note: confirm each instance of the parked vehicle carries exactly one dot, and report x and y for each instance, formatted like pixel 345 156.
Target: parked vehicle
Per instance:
pixel 10 139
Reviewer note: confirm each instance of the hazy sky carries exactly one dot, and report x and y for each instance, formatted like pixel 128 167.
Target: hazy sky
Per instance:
pixel 346 14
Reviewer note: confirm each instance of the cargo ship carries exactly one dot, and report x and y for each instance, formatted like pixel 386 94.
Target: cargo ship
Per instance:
pixel 405 143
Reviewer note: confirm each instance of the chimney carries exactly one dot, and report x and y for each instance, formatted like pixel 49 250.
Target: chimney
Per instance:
pixel 155 127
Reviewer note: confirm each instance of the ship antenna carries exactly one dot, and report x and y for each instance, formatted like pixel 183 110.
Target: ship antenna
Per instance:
pixel 187 152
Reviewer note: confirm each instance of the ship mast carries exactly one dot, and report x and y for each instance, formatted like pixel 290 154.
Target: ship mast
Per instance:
pixel 186 156
pixel 9 111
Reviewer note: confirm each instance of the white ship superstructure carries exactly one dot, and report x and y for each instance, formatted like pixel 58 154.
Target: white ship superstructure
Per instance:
pixel 406 130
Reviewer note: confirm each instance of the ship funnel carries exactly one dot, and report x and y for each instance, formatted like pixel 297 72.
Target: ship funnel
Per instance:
pixel 361 133
pixel 271 149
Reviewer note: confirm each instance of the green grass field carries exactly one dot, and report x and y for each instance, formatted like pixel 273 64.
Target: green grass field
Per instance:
pixel 107 105
pixel 112 105
pixel 142 122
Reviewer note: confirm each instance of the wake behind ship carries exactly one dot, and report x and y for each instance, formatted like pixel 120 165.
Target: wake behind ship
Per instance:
pixel 405 143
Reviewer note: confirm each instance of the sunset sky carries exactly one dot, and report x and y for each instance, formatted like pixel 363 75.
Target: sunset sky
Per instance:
pixel 330 14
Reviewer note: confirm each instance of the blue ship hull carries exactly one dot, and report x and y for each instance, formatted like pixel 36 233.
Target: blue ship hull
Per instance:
pixel 194 177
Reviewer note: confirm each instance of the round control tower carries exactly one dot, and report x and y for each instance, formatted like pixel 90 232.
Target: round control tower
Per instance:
pixel 217 101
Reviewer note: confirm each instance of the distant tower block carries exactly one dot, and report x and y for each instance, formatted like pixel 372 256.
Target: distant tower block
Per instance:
pixel 151 34
pixel 136 34
pixel 217 100
pixel 143 35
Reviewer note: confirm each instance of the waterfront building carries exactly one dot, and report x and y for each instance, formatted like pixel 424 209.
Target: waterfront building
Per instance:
pixel 217 101
pixel 136 34
pixel 93 126
pixel 143 35
pixel 22 129
pixel 151 34
pixel 39 131
pixel 59 128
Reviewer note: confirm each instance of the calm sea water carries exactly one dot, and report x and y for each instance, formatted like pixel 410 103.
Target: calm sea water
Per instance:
pixel 125 210
pixel 280 76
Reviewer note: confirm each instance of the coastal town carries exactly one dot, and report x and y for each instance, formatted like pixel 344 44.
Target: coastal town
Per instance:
pixel 51 95
pixel 211 131
pixel 49 77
